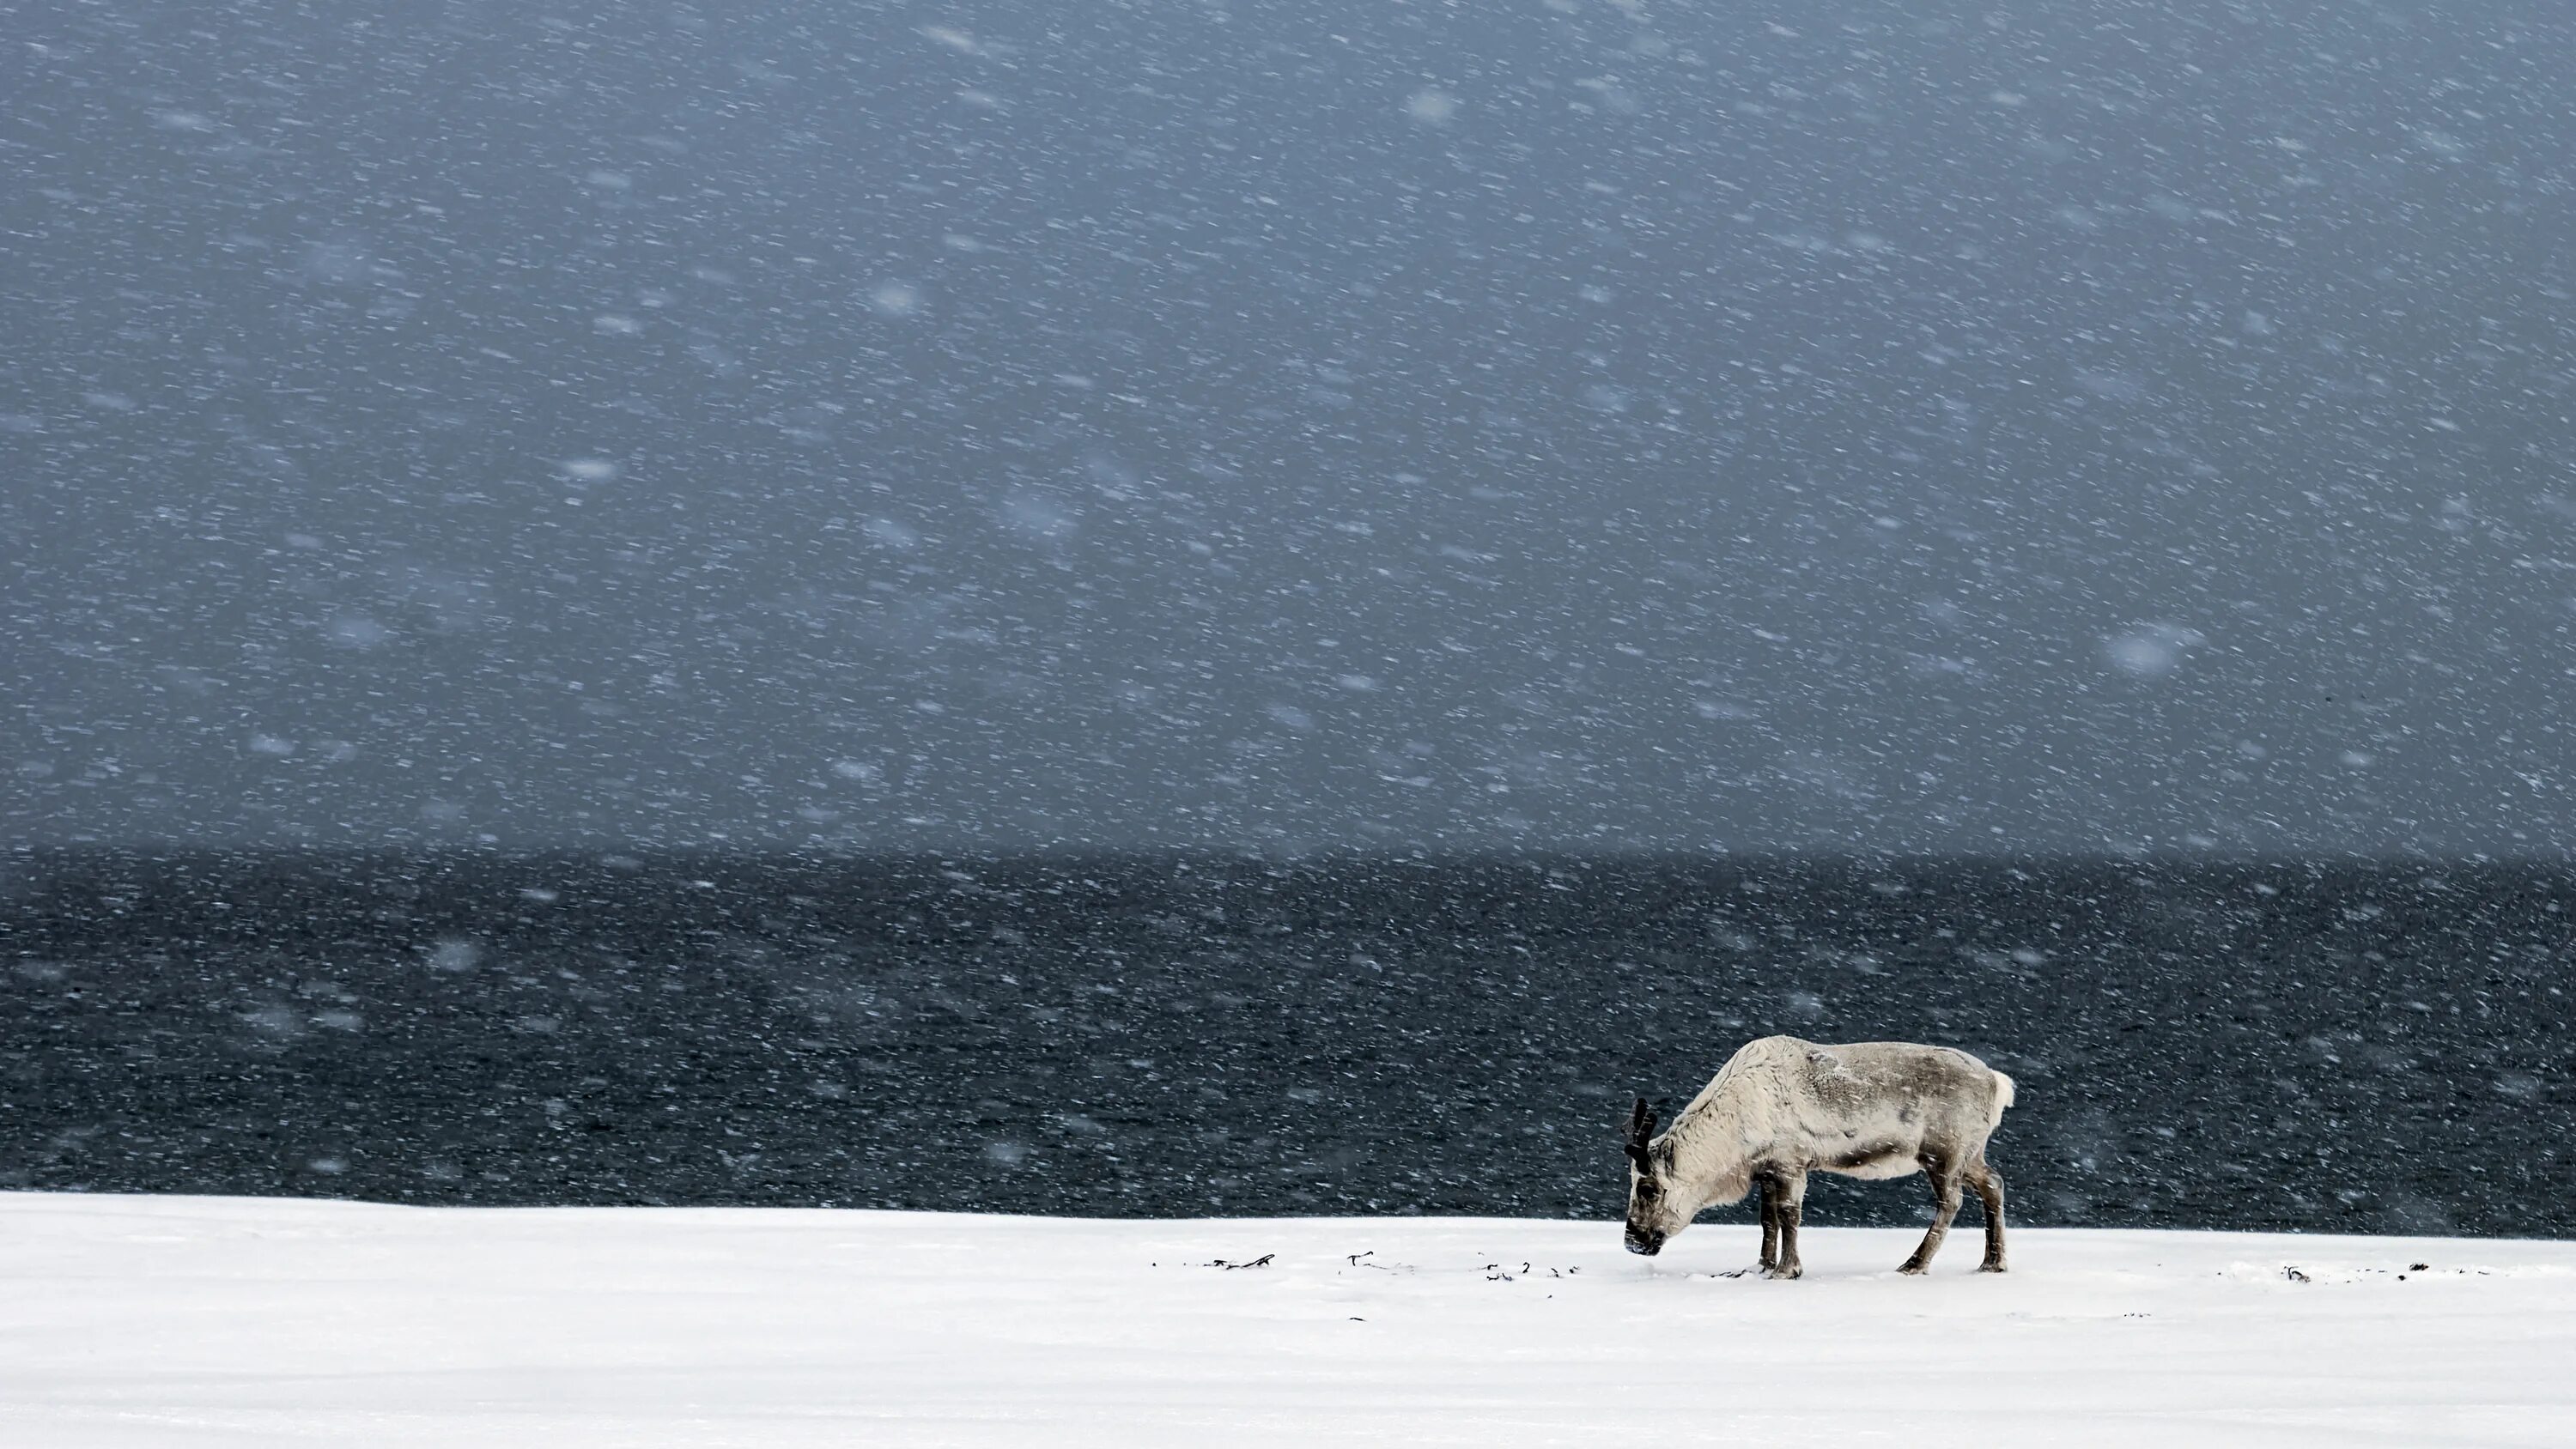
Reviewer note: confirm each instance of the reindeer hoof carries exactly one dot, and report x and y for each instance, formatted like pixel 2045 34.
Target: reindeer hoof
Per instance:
pixel 1791 1271
pixel 1990 1267
pixel 1914 1270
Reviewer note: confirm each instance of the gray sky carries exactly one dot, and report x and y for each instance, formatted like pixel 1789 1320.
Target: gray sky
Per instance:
pixel 1339 425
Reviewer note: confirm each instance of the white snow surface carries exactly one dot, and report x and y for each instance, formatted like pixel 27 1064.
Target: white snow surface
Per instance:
pixel 164 1321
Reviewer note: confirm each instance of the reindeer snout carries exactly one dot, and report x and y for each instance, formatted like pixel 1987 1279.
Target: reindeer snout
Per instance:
pixel 1645 1245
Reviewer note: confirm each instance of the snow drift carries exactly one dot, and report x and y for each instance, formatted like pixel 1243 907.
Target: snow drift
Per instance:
pixel 166 1321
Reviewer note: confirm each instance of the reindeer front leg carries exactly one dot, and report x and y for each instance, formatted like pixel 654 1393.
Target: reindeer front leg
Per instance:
pixel 1793 1199
pixel 1770 1223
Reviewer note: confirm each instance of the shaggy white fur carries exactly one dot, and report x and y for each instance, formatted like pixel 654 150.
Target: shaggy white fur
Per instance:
pixel 1781 1108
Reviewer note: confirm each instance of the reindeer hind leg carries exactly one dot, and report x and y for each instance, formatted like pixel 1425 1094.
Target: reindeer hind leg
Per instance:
pixel 1990 1196
pixel 1945 1206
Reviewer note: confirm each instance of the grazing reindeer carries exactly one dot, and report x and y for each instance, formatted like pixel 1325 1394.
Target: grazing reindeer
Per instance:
pixel 1781 1108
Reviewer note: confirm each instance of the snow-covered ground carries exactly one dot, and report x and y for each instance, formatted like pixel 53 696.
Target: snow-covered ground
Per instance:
pixel 219 1321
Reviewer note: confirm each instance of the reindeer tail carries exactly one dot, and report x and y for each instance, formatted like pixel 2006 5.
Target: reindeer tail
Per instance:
pixel 2003 1097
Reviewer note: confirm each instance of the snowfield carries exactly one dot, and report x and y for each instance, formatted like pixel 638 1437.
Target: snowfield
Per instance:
pixel 165 1321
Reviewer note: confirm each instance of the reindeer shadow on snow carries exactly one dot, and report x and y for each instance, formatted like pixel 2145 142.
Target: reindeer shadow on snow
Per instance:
pixel 1781 1108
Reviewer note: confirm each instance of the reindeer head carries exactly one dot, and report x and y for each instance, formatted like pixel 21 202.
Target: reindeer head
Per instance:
pixel 1651 1208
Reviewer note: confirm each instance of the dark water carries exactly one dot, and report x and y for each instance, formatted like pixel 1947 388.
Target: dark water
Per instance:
pixel 2348 1047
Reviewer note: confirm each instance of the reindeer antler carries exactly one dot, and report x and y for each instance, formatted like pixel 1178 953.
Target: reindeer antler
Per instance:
pixel 1641 1130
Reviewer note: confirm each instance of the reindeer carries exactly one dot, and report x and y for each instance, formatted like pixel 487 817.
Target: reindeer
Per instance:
pixel 1781 1108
